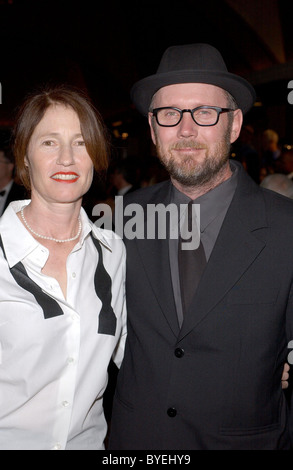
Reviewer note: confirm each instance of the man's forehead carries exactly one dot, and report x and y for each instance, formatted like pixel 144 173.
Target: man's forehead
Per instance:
pixel 189 91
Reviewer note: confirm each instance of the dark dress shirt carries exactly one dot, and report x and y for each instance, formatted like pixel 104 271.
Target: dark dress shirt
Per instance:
pixel 213 207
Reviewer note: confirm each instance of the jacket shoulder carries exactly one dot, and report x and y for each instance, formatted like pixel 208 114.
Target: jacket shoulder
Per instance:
pixel 146 195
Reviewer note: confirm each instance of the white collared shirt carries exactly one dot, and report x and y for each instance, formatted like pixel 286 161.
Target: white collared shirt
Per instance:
pixel 53 371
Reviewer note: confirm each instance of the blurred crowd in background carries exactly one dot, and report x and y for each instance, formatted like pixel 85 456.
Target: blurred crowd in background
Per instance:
pixel 266 159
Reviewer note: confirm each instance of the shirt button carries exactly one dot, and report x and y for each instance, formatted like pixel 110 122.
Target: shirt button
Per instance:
pixel 65 403
pixel 172 412
pixel 57 446
pixel 74 275
pixel 70 360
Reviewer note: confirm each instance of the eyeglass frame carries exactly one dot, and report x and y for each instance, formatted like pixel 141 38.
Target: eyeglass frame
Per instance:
pixel 191 111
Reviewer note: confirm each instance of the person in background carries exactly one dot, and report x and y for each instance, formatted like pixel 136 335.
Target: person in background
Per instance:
pixel 271 150
pixel 10 190
pixel 279 183
pixel 124 176
pixel 285 162
pixel 208 331
pixel 62 300
pixel 246 153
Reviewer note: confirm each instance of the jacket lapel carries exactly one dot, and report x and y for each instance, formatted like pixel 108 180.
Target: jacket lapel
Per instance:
pixel 155 259
pixel 240 241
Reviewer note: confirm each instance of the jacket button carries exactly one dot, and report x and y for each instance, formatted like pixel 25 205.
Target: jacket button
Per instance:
pixel 179 352
pixel 171 412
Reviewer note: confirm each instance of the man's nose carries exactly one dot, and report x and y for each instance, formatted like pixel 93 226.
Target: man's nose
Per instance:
pixel 187 127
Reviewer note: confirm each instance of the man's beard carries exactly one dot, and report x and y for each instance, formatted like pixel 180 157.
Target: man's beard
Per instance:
pixel 187 171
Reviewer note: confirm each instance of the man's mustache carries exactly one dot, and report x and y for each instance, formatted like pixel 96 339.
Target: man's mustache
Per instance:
pixel 188 144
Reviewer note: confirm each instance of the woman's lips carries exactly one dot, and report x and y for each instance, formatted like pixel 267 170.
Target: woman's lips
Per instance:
pixel 63 177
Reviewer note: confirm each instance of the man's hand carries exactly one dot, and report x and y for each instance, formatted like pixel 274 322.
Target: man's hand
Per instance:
pixel 285 376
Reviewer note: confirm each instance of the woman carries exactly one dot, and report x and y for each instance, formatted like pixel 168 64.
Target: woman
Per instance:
pixel 62 302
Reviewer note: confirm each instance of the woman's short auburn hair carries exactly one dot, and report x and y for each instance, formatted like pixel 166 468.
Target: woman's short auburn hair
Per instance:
pixel 31 112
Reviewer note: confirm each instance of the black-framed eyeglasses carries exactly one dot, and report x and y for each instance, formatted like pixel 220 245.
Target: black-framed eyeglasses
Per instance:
pixel 202 115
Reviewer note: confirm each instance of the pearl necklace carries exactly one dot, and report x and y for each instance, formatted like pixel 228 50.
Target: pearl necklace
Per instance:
pixel 51 238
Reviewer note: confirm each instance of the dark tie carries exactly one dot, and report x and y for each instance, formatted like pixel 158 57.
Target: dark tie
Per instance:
pixel 2 193
pixel 191 265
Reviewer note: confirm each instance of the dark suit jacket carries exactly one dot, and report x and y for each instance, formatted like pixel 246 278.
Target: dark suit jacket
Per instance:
pixel 16 193
pixel 216 383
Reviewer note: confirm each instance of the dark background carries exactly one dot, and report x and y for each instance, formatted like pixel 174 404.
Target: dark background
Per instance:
pixel 105 46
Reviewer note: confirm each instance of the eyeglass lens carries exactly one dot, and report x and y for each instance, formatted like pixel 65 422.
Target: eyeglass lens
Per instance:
pixel 202 116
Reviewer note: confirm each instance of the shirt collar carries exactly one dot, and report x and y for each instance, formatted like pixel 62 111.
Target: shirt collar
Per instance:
pixel 12 231
pixel 214 201
pixel 7 187
pixel 124 190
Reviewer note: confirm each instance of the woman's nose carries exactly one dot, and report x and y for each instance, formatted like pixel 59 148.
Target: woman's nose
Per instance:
pixel 66 156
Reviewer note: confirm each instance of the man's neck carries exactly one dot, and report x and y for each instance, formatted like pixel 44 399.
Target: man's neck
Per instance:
pixel 193 192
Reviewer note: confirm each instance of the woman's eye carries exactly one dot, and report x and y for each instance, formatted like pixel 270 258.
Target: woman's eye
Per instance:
pixel 48 143
pixel 80 143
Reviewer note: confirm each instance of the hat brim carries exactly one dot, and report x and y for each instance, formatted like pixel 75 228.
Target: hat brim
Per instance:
pixel 241 90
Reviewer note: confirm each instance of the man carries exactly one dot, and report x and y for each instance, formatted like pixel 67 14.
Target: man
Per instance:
pixel 245 152
pixel 271 150
pixel 206 375
pixel 9 189
pixel 280 183
pixel 124 177
pixel 286 162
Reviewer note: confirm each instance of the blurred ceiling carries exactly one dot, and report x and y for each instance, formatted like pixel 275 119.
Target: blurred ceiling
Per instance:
pixel 105 46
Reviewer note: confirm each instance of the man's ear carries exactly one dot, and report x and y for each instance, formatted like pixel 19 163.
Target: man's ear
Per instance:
pixel 236 126
pixel 151 121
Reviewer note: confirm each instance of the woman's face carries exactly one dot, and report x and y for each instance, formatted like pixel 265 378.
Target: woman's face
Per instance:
pixel 60 168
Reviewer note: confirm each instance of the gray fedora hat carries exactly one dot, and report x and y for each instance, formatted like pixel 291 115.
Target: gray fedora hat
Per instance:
pixel 192 63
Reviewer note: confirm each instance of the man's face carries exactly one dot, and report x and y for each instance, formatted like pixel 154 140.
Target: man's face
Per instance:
pixel 6 169
pixel 192 154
